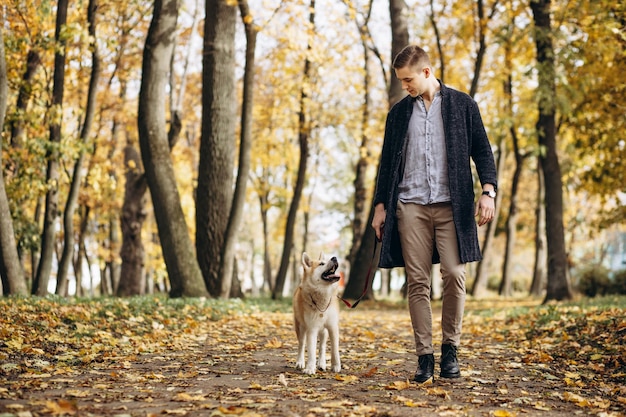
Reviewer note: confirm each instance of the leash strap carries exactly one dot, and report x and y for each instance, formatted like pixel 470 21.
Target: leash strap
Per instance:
pixel 367 279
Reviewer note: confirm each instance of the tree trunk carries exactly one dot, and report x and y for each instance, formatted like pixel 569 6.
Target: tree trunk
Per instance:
pixel 68 215
pixel 44 269
pixel 558 281
pixel 511 222
pixel 539 272
pixel 133 216
pixel 33 62
pixel 11 272
pixel 245 144
pixel 359 224
pixel 479 287
pixel 182 267
pixel 214 195
pixel 363 259
pixel 267 261
pixel 303 140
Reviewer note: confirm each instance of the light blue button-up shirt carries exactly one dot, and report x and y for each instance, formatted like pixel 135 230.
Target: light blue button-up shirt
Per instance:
pixel 425 179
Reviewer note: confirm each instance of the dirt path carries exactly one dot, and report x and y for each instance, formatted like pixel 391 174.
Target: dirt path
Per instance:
pixel 244 366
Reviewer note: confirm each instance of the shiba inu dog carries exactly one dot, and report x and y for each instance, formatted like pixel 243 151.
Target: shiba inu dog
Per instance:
pixel 316 314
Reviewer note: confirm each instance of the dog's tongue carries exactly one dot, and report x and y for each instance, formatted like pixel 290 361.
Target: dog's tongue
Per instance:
pixel 331 277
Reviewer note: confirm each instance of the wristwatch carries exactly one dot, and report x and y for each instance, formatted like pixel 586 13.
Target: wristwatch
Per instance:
pixel 490 193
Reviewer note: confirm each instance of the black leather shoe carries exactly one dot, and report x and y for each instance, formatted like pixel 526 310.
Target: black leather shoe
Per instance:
pixel 449 363
pixel 425 369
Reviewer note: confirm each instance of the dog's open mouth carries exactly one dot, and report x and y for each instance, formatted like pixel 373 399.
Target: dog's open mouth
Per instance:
pixel 329 275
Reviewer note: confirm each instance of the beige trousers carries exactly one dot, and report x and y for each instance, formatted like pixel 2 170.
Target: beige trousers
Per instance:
pixel 421 227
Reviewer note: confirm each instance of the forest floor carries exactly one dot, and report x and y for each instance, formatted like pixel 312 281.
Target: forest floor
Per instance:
pixel 153 356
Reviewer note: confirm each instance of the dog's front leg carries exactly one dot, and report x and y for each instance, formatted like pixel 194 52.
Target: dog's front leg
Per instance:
pixel 301 346
pixel 311 342
pixel 323 337
pixel 335 361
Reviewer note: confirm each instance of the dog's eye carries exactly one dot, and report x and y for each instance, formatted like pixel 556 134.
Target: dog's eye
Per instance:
pixel 321 263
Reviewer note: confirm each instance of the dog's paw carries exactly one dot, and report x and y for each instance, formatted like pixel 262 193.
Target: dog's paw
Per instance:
pixel 309 371
pixel 321 367
pixel 336 368
pixel 300 365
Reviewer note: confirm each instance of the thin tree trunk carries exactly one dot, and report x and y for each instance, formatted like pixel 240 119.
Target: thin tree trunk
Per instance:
pixel 11 271
pixel 303 140
pixel 479 287
pixel 511 222
pixel 214 194
pixel 133 217
pixel 360 190
pixel 68 215
pixel 539 271
pixel 267 261
pixel 558 280
pixel 182 267
pixel 365 256
pixel 44 269
pixel 442 61
pixel 245 144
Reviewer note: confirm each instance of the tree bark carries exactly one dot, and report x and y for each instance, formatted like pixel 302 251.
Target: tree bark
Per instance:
pixel 558 280
pixel 539 271
pixel 506 288
pixel 214 195
pixel 359 224
pixel 70 206
pixel 479 287
pixel 303 140
pixel 44 269
pixel 367 254
pixel 245 144
pixel 11 271
pixel 132 273
pixel 182 267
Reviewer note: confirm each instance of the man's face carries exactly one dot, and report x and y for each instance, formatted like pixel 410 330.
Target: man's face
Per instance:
pixel 413 80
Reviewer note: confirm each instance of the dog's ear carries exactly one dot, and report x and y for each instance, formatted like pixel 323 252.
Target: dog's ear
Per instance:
pixel 306 261
pixel 321 258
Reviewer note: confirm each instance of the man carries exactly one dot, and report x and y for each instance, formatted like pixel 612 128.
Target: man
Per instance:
pixel 424 201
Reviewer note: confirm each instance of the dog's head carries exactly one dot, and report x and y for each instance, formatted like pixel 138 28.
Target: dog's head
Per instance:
pixel 320 270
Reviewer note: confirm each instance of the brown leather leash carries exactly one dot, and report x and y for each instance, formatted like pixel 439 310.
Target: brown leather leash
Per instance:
pixel 367 279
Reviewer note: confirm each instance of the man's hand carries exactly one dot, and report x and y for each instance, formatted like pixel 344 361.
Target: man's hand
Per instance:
pixel 485 209
pixel 378 222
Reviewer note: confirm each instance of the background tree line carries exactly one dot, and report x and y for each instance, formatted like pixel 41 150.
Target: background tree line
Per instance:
pixel 194 147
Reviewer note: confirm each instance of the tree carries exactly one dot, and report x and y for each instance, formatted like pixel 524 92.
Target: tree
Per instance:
pixel 304 131
pixel 236 211
pixel 44 269
pixel 11 272
pixel 558 281
pixel 72 198
pixel 214 195
pixel 365 255
pixel 182 267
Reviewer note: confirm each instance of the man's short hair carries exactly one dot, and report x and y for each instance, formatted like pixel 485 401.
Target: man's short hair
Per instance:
pixel 411 56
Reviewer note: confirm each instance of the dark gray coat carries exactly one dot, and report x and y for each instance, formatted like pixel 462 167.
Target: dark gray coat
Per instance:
pixel 465 138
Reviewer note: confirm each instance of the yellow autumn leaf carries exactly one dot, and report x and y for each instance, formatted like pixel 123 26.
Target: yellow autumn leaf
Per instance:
pixel 439 392
pixel 346 378
pixel 61 407
pixel 399 385
pixel 502 413
pixel 274 344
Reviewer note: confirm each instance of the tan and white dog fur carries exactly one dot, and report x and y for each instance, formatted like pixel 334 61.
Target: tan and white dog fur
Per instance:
pixel 316 314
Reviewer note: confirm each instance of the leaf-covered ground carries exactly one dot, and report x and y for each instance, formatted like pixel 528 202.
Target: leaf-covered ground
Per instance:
pixel 151 356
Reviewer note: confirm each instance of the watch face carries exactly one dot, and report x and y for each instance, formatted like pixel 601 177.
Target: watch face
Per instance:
pixel 490 193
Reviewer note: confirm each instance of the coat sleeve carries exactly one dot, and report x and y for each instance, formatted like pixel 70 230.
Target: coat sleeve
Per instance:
pixel 385 168
pixel 481 152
